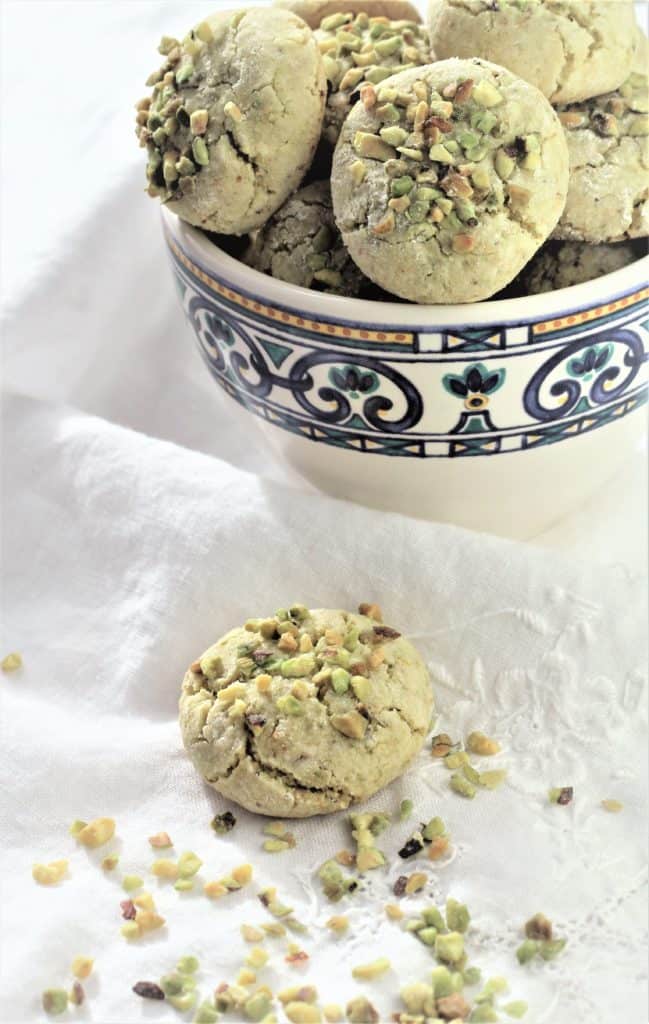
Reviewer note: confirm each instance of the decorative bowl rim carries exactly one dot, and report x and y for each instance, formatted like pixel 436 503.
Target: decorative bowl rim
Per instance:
pixel 412 317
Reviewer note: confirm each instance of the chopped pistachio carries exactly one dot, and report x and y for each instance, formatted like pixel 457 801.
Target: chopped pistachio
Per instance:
pixel 334 883
pixel 55 1001
pixel 302 665
pixel 372 147
pixel 340 680
pixel 527 951
pixel 300 1012
pixel 360 1011
pixel 110 862
pixel 432 916
pixel 486 95
pixel 450 947
pixel 200 151
pixel 222 823
pixel 351 724
pixel 516 1009
pixel 457 916
pixel 160 840
pixel 165 868
pixel 484 1013
pixel 257 957
pixel 471 976
pixel 339 923
pixel 367 972
pixel 290 705
pixel 188 864
pixel 132 882
pixel 82 967
pixel 405 809
pixel 549 950
pixel 493 779
pixel 11 663
pixel 478 743
pixel 613 806
pixel 416 882
pixel 442 981
pixel 205 1014
pixel 460 784
pixel 394 912
pixel 358 172
pixel 561 795
pixel 49 874
pixel 97 832
pixel 332 1013
pixel 188 965
pixel 76 827
pixel 538 927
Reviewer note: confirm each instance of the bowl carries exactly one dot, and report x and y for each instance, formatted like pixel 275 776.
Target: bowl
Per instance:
pixel 501 416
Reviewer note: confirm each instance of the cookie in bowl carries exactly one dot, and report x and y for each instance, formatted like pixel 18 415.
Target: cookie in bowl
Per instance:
pixel 306 712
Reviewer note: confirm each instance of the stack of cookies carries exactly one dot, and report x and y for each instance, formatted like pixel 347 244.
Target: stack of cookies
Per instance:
pixel 362 153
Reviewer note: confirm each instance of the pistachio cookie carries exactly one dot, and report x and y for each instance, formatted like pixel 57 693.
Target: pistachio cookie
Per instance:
pixel 563 264
pixel 568 49
pixel 608 143
pixel 313 11
pixel 364 48
pixel 234 118
pixel 447 179
pixel 305 712
pixel 301 244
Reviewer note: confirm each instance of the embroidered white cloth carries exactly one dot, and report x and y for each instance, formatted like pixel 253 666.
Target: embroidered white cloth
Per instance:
pixel 125 555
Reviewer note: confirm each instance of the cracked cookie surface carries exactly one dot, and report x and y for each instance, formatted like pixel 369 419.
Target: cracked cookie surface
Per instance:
pixel 446 179
pixel 568 49
pixel 234 118
pixel 305 712
pixel 563 264
pixel 608 144
pixel 301 244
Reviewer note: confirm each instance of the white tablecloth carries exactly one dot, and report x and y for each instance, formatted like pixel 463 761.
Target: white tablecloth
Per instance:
pixel 138 525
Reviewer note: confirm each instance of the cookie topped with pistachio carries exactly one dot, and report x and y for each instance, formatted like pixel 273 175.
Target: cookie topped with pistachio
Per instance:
pixel 608 144
pixel 364 48
pixel 301 244
pixel 305 712
pixel 447 179
pixel 234 118
pixel 313 11
pixel 568 49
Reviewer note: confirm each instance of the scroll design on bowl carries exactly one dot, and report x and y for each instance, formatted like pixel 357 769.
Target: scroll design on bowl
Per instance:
pixel 578 377
pixel 219 338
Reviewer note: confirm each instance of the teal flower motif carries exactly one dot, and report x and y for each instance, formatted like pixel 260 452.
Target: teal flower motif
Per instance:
pixel 352 381
pixel 590 362
pixel 474 385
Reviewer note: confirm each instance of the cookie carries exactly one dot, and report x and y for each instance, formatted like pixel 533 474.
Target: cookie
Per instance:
pixel 569 50
pixel 358 49
pixel 313 11
pixel 447 179
pixel 234 118
pixel 563 264
pixel 305 712
pixel 608 143
pixel 301 244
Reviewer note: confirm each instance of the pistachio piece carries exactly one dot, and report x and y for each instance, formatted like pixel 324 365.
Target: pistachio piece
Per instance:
pixel 442 981
pixel 339 923
pixel 198 122
pixel 367 972
pixel 49 874
pixel 527 951
pixel 360 1011
pixel 612 806
pixel 372 147
pixel 232 111
pixel 449 948
pixel 454 1007
pixel 561 795
pixel 300 1012
pixel 332 1013
pixel 393 135
pixel 54 1001
pixel 200 151
pixel 97 832
pixel 302 665
pixel 440 153
pixel 486 95
pixel 457 916
pixel 11 663
pixel 516 1009
pixel 290 705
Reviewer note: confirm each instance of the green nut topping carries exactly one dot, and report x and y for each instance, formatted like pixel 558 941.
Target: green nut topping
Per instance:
pixel 188 864
pixel 55 1001
pixel 290 705
pixel 188 965
pixel 450 947
pixel 457 916
pixel 303 665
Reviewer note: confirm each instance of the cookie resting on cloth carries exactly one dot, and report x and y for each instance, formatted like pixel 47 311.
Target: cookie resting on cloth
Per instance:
pixel 447 179
pixel 305 712
pixel 569 49
pixel 234 119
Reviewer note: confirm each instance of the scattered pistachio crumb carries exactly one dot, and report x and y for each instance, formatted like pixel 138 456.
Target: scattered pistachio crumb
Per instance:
pixel 55 1001
pixel 132 882
pixel 11 663
pixel 82 967
pixel 338 923
pixel 160 840
pixel 415 882
pixel 97 832
pixel 612 806
pixel 460 784
pixel 222 823
pixel 49 874
pixel 478 743
pixel 360 1011
pixel 76 994
pixel 393 912
pixel 405 809
pixel 257 957
pixel 110 862
pixel 76 827
pixel 299 1012
pixel 516 1009
pixel 246 977
pixel 561 795
pixel 332 1013
pixel 367 972
pixel 188 864
pixel 188 964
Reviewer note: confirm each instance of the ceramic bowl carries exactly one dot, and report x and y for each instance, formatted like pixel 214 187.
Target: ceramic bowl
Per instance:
pixel 500 416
